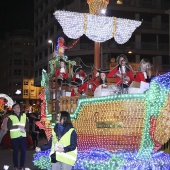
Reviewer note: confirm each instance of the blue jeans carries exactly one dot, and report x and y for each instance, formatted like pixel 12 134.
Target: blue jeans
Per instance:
pixel 19 144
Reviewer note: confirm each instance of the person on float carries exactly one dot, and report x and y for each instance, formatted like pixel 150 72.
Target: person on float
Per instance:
pixel 144 71
pixel 61 72
pixel 123 73
pixel 89 84
pixel 17 125
pixel 102 74
pixel 79 74
pixel 63 143
pixel 60 48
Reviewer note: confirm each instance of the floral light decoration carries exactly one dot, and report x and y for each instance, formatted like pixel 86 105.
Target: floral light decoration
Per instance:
pixel 10 101
pixel 95 27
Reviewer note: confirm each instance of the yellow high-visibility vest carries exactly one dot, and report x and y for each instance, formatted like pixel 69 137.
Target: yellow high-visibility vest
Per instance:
pixel 68 157
pixel 15 133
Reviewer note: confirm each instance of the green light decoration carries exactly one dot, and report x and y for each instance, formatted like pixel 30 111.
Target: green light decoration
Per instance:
pixel 115 162
pixel 45 84
pixel 2 114
pixel 56 62
pixel 155 100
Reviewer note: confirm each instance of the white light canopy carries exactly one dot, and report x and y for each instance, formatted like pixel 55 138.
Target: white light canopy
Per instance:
pixel 95 27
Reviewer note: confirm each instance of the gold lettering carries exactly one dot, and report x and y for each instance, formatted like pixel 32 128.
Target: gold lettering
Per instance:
pixel 108 124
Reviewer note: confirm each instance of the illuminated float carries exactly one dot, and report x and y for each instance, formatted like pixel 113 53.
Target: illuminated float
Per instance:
pixel 115 132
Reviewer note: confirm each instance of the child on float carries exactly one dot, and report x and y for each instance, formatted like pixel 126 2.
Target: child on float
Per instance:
pixel 89 84
pixel 123 73
pixel 102 75
pixel 79 74
pixel 63 143
pixel 144 71
pixel 61 72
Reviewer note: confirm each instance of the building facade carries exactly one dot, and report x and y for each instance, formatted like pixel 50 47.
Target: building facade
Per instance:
pixel 16 56
pixel 149 41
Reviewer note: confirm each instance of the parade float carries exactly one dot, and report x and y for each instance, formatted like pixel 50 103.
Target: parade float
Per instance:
pixel 117 131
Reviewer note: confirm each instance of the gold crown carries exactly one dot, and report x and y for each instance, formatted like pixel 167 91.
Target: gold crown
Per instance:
pixel 95 6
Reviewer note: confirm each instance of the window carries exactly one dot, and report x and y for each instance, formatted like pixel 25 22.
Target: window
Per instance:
pixel 36 58
pixel 45 67
pixel 36 43
pixel 52 14
pixel 10 62
pixel 40 56
pixel 25 62
pixel 32 93
pixel 46 36
pixel 41 39
pixel 17 72
pixel 46 18
pixel 25 72
pixel 17 62
pixel 45 52
pixel 32 62
pixel 26 82
pixel 25 92
pixel 41 23
pixel 46 2
pixel 52 31
pixel 36 73
pixel 40 71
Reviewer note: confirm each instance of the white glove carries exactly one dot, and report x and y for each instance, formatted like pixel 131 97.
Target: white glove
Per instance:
pixel 37 149
pixel 57 145
pixel 97 74
pixel 104 85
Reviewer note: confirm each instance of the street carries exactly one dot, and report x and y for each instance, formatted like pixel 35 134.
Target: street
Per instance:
pixel 6 157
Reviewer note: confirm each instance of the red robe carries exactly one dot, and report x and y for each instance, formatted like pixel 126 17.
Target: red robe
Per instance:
pixel 57 73
pixel 84 87
pixel 139 77
pixel 82 74
pixel 118 79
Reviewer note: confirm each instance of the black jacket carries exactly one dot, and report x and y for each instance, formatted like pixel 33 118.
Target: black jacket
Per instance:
pixel 73 140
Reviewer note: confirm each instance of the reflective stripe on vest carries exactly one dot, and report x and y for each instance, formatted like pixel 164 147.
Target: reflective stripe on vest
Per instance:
pixel 15 133
pixel 68 157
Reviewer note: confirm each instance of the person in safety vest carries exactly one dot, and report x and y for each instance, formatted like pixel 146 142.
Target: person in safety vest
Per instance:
pixel 63 143
pixel 17 125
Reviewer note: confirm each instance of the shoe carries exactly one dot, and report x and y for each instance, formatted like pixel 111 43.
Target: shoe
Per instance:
pixel 16 168
pixel 22 168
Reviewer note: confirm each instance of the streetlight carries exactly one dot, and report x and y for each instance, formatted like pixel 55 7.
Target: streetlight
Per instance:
pixel 51 42
pixel 129 52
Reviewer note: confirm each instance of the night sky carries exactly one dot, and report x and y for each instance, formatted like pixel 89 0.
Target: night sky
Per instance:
pixel 16 14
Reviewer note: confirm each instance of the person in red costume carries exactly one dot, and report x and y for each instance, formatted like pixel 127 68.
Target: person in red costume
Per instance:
pixel 123 73
pixel 89 84
pixel 79 74
pixel 144 71
pixel 61 72
pixel 102 74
